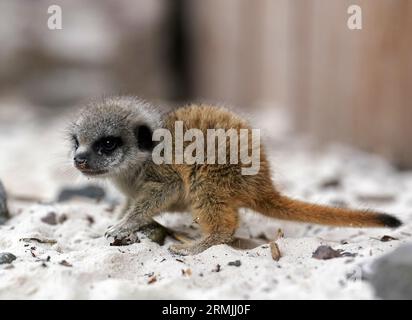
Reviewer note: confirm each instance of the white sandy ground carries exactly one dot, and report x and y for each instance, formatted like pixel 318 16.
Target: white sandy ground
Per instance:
pixel 32 163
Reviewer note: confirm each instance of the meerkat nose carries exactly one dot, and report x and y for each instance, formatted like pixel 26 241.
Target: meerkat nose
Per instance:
pixel 80 160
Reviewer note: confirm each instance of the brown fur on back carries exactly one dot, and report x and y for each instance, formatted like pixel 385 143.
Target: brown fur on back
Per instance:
pixel 216 192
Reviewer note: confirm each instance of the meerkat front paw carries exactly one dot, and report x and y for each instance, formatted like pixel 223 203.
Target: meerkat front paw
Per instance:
pixel 121 230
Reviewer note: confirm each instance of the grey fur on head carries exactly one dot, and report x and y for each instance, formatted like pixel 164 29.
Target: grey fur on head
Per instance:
pixel 112 135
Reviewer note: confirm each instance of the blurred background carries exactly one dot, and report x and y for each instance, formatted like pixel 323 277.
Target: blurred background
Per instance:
pixel 350 86
pixel 334 106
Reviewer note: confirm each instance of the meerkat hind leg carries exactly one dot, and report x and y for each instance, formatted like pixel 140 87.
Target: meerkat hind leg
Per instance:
pixel 218 226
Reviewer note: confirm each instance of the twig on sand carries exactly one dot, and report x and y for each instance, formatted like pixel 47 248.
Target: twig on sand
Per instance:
pixel 49 241
pixel 274 250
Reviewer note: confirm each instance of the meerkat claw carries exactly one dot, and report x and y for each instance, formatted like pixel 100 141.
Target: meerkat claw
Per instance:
pixel 119 231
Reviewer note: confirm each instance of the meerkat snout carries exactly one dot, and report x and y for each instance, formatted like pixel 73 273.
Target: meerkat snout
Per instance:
pixel 80 161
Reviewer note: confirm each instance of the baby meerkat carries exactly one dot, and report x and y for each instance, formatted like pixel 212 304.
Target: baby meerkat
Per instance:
pixel 113 139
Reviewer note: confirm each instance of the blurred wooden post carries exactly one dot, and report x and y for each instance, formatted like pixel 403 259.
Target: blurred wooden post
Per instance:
pixel 385 80
pixel 353 86
pixel 236 57
pixel 360 81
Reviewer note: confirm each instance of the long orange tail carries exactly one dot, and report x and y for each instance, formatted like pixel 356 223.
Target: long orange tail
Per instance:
pixel 285 208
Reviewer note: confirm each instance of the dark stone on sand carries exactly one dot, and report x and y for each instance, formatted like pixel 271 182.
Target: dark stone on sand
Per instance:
pixel 235 263
pixel 50 218
pixel 7 257
pixel 327 252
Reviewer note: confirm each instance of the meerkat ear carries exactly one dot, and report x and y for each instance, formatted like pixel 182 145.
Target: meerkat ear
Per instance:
pixel 143 136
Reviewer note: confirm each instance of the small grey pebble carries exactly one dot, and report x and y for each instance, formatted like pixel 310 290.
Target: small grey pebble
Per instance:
pixel 50 218
pixel 236 263
pixel 7 257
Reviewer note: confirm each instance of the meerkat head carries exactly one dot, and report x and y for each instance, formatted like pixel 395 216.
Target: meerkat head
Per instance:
pixel 113 135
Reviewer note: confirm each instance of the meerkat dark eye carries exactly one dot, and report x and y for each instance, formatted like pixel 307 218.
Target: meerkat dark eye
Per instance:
pixel 107 145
